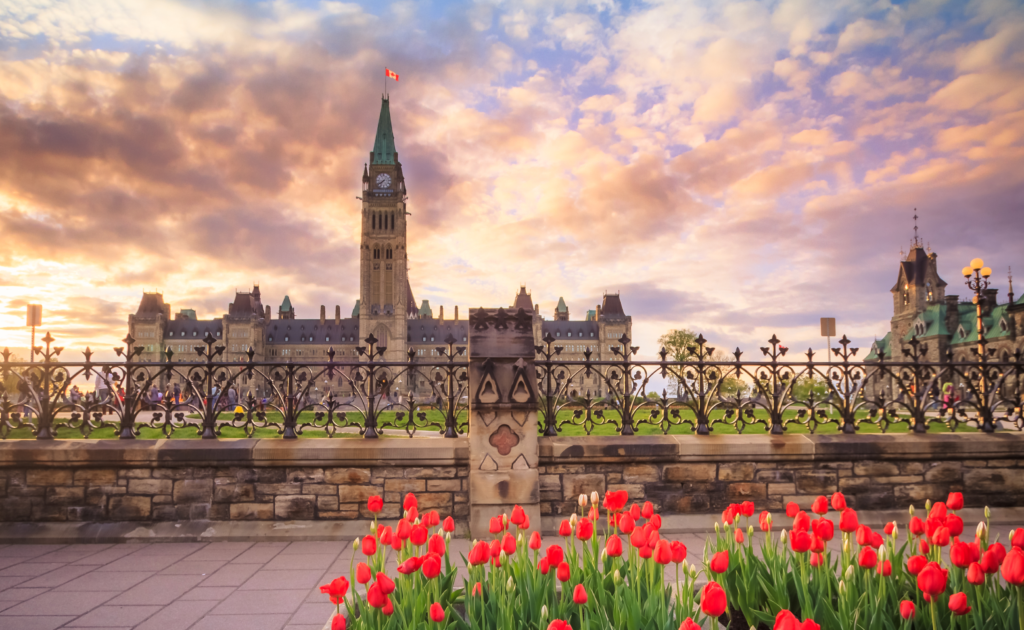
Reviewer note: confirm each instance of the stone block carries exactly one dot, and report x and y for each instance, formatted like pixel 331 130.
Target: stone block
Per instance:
pixel 270 475
pixel 434 500
pixel 135 473
pixel 550 483
pixel 505 487
pixel 234 493
pixel 127 508
pixel 327 504
pixel 690 472
pixel 295 508
pixel 220 512
pixel 267 491
pixel 162 499
pixel 347 476
pixel 404 486
pixel 193 491
pixel 95 476
pixel 306 475
pixel 173 473
pixel 48 477
pixel 779 489
pixel 444 485
pixel 358 494
pixel 46 512
pixel 913 468
pixel 641 473
pixel 975 463
pixel 443 472
pixel 65 496
pixel 320 489
pixel 564 469
pixel 97 495
pixel 252 511
pixel 389 511
pixel 745 491
pixel 688 503
pixel 338 515
pixel 944 472
pixel 164 513
pixel 875 469
pixel 575 485
pixel 920 492
pixel 245 475
pixel 198 511
pixel 773 476
pixel 150 486
pixel 204 472
pixel 15 509
pixel 816 481
pixel 736 471
pixel 85 513
pixel 990 481
pixel 635 490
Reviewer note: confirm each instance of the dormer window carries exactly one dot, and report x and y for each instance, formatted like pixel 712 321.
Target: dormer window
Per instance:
pixel 327 339
pixel 286 337
pixel 1003 326
pixel 270 338
pixel 193 333
pixel 558 334
pixel 183 333
pixel 961 332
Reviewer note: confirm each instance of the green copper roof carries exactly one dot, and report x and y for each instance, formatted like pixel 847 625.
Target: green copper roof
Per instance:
pixel 881 346
pixel 425 310
pixel 355 309
pixel 287 304
pixel 384 143
pixel 561 308
pixel 591 315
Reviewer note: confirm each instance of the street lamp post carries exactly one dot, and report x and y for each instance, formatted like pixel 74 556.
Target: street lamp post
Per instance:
pixel 977 275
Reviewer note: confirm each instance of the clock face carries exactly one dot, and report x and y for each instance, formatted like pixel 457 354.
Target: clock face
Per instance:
pixel 384 180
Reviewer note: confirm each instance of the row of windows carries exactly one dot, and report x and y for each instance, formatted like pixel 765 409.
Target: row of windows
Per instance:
pixel 170 333
pixel 569 334
pixel 376 253
pixel 327 338
pixel 383 221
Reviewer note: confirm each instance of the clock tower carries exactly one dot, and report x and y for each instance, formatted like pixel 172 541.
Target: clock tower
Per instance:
pixel 384 291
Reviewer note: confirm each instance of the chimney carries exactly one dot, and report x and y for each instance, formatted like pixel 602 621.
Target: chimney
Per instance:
pixel 323 314
pixel 991 299
pixel 440 314
pixel 952 312
pixel 267 316
pixel 456 312
pixel 599 312
pixel 337 315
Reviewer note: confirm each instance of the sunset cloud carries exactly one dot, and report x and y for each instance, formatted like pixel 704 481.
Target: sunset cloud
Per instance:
pixel 739 168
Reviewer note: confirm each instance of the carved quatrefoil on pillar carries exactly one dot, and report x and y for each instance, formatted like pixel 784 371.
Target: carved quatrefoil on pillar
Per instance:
pixel 504 439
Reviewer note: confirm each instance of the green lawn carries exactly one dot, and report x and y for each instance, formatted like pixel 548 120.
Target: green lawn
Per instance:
pixel 307 420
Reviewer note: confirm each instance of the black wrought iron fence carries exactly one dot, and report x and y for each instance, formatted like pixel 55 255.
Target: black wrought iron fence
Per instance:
pixel 366 397
pixel 776 393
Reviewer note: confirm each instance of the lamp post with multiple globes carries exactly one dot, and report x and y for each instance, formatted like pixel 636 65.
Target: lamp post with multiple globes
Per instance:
pixel 977 275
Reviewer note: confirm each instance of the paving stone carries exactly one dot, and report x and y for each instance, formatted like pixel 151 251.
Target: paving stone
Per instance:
pixel 231 575
pixel 58 576
pixel 208 593
pixel 61 603
pixel 47 622
pixel 114 616
pixel 194 567
pixel 260 553
pixel 220 551
pixel 30 569
pixel 269 580
pixel 157 590
pixel 14 595
pixel 260 602
pixel 242 622
pixel 307 561
pixel 136 563
pixel 178 615
pixel 113 580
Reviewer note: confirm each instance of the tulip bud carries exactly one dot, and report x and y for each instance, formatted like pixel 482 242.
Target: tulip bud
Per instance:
pixel 846 545
pixel 842 587
pixel 583 501
pixel 504 520
pixel 849 572
pixel 617 577
pixel 693 570
pixel 783 536
pixel 750 531
pixel 503 557
pixel 510 585
pixel 519 538
pixel 928 505
pixel 543 614
pixel 447 536
pixel 717 528
pixel 604 556
pixel 895 531
pixel 355 544
pixel 573 519
pixel 911 510
pixel 881 553
pixel 988 513
pixel 373 528
pixel 594 498
pixel 982 530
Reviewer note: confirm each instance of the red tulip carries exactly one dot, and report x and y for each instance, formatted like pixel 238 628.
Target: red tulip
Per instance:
pixel 764 521
pixel 941 537
pixel 820 506
pixel 960 554
pixel 838 502
pixel 712 600
pixel 374 504
pixel 955 501
pixel 955 525
pixel 915 564
pixel 786 620
pixel 448 524
pixel 563 573
pixel 535 540
pixel 369 545
pixel 992 558
pixel 477 590
pixel 626 523
pixel 747 508
pixel 932 579
pixel 809 624
pixel 730 514
pixel 938 511
pixel 688 624
pixel 655 521
pixel 419 534
pixel 638 538
pixel 890 527
pixel 663 552
pixel 495 548
pixel 923 546
pixel 412 514
pixel 579 595
pixel 907 609
pixel 436 545
pixel 875 540
pixel 431 567
pixel 648 510
pixel 495 526
pixel 916 526
pixel 518 516
pixel 558 624
pixel 410 566
pixel 867 558
pixel 584 529
pixel 614 501
pixel 792 509
pixel 363 574
pixel 1017 540
pixel 958 604
pixel 543 565
pixel 634 511
pixel 863 535
pixel 555 555
pixel 885 568
pixel 800 541
pixel 1013 567
pixel 614 546
pixel 508 544
pixel 652 535
pixel 374 596
pixel 431 518
pixel 739 536
pixel 848 519
pixel 336 589
pixel 645 552
pixel 823 528
pixel 410 502
pixel 975 575
pixel 404 529
pixel 480 553
pixel 436 612
pixel 817 559
pixel 678 551
pixel 720 562
pixel 387 585
pixel 338 622
pixel 389 607
pixel 384 535
pixel 801 522
pixel 564 528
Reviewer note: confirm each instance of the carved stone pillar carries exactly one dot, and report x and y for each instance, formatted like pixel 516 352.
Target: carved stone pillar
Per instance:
pixel 503 449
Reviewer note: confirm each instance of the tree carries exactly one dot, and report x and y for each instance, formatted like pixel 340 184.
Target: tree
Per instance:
pixel 731 384
pixel 10 384
pixel 680 345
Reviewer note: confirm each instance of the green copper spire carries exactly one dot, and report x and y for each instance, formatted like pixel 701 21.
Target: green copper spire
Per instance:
pixel 384 144
pixel 287 304
pixel 562 308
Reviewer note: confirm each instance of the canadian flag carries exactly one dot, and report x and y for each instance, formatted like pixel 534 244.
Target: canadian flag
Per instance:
pixel 389 74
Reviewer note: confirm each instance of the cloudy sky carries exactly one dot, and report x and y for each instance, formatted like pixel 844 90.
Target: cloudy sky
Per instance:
pixel 737 168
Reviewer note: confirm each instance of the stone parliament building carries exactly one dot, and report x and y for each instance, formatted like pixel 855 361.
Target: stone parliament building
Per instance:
pixel 386 307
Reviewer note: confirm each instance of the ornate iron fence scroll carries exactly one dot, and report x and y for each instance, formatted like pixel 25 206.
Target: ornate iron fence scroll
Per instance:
pixel 362 397
pixel 777 393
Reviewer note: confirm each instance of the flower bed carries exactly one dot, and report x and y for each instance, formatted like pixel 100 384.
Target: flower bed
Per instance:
pixel 789 580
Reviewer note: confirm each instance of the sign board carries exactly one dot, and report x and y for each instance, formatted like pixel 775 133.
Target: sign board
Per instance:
pixel 34 316
pixel 828 326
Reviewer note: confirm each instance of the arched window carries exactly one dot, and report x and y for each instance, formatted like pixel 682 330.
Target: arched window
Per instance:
pixel 392 220
pixel 373 220
pixel 389 254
